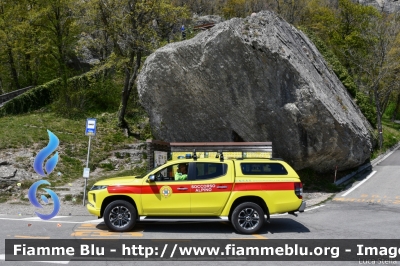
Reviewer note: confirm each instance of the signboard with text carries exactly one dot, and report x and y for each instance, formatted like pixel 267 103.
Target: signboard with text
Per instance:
pixel 91 124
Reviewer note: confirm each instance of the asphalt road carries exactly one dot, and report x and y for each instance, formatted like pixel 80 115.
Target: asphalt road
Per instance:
pixel 369 209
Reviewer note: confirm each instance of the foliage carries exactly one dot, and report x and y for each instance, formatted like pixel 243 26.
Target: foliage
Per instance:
pixel 32 100
pixel 38 39
pixel 366 107
pixel 88 92
pixel 235 8
pixel 133 29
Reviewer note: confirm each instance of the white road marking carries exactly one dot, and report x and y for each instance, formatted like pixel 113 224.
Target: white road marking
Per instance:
pixel 45 221
pixel 313 208
pixel 387 155
pixel 359 184
pixel 309 209
pixel 39 219
pixel 94 221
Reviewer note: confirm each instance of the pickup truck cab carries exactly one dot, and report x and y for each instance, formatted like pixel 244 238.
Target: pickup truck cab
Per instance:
pixel 242 191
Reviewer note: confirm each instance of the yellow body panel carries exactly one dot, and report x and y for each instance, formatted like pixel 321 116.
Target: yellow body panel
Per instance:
pixel 164 201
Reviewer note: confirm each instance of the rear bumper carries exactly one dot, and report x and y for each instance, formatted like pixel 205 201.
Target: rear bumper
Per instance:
pixel 302 207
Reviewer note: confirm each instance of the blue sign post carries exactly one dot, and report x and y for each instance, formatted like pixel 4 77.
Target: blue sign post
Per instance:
pixel 91 124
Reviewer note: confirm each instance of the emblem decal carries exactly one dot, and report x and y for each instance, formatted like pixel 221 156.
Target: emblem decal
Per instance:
pixel 166 191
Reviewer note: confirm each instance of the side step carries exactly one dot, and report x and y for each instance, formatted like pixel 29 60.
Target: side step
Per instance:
pixel 183 219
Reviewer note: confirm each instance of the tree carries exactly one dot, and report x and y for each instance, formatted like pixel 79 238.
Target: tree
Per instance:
pixel 235 8
pixel 10 17
pixel 348 34
pixel 132 28
pixel 378 66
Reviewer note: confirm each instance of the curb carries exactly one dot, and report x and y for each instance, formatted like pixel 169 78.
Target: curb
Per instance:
pixel 369 165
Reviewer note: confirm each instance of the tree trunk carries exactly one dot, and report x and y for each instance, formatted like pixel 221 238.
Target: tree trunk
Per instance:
pixel 379 118
pixel 130 78
pixel 14 73
pixel 1 87
pixel 28 70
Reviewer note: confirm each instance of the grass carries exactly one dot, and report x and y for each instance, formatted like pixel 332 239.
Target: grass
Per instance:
pixel 391 136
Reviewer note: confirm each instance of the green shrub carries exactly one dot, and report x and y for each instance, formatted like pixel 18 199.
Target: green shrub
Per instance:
pixel 366 107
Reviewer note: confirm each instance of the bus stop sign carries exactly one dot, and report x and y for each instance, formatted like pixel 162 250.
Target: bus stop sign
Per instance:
pixel 90 127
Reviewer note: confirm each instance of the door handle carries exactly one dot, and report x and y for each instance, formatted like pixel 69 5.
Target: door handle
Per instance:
pixel 222 187
pixel 182 188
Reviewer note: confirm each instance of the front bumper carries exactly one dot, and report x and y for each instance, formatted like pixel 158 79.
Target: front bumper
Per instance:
pixel 93 210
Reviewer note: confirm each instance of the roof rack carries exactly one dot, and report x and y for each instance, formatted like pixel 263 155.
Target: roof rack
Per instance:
pixel 220 155
pixel 194 155
pixel 250 158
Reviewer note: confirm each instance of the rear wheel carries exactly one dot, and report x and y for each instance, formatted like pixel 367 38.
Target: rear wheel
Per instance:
pixel 120 216
pixel 247 218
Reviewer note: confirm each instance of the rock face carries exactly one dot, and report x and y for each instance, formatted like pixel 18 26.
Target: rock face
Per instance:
pixel 389 6
pixel 255 79
pixel 206 20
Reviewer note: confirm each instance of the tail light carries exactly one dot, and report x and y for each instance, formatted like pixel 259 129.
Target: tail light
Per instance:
pixel 298 189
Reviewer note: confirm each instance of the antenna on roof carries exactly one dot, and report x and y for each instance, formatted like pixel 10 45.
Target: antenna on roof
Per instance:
pixel 194 155
pixel 221 156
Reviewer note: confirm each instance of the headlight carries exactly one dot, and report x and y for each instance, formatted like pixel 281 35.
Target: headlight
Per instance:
pixel 98 187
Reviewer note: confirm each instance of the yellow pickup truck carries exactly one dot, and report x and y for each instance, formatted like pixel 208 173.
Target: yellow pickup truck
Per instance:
pixel 243 191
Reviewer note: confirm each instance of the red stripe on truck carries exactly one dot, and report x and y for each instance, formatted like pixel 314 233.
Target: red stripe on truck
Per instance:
pixel 211 187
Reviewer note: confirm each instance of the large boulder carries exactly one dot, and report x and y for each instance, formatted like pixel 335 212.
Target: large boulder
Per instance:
pixel 255 79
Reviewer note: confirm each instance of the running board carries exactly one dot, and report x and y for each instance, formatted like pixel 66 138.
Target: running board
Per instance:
pixel 183 219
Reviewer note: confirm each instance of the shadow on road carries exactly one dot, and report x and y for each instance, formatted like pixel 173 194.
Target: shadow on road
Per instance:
pixel 277 225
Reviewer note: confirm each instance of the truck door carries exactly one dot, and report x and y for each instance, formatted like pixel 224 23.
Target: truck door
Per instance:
pixel 166 196
pixel 211 187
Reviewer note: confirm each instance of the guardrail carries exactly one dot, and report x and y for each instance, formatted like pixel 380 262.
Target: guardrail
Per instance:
pixel 9 96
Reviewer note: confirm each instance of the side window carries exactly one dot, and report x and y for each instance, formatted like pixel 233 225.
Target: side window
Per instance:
pixel 210 170
pixel 164 174
pixel 177 172
pixel 263 169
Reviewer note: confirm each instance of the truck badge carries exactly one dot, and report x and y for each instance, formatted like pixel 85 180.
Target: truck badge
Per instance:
pixel 166 191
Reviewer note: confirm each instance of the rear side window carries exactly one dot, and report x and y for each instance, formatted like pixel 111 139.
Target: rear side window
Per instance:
pixel 263 169
pixel 210 170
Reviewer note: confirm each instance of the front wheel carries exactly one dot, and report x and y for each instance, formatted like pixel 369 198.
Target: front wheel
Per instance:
pixel 120 216
pixel 247 218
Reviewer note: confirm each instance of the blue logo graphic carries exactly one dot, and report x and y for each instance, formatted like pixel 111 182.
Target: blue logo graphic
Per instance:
pixel 33 200
pixel 49 167
pixel 42 155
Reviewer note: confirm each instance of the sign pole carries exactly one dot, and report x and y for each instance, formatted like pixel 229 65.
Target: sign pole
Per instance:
pixel 90 131
pixel 87 167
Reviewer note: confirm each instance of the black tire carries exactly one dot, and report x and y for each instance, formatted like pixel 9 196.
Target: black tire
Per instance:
pixel 247 218
pixel 120 216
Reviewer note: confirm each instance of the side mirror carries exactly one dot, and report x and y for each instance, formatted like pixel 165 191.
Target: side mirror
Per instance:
pixel 151 178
